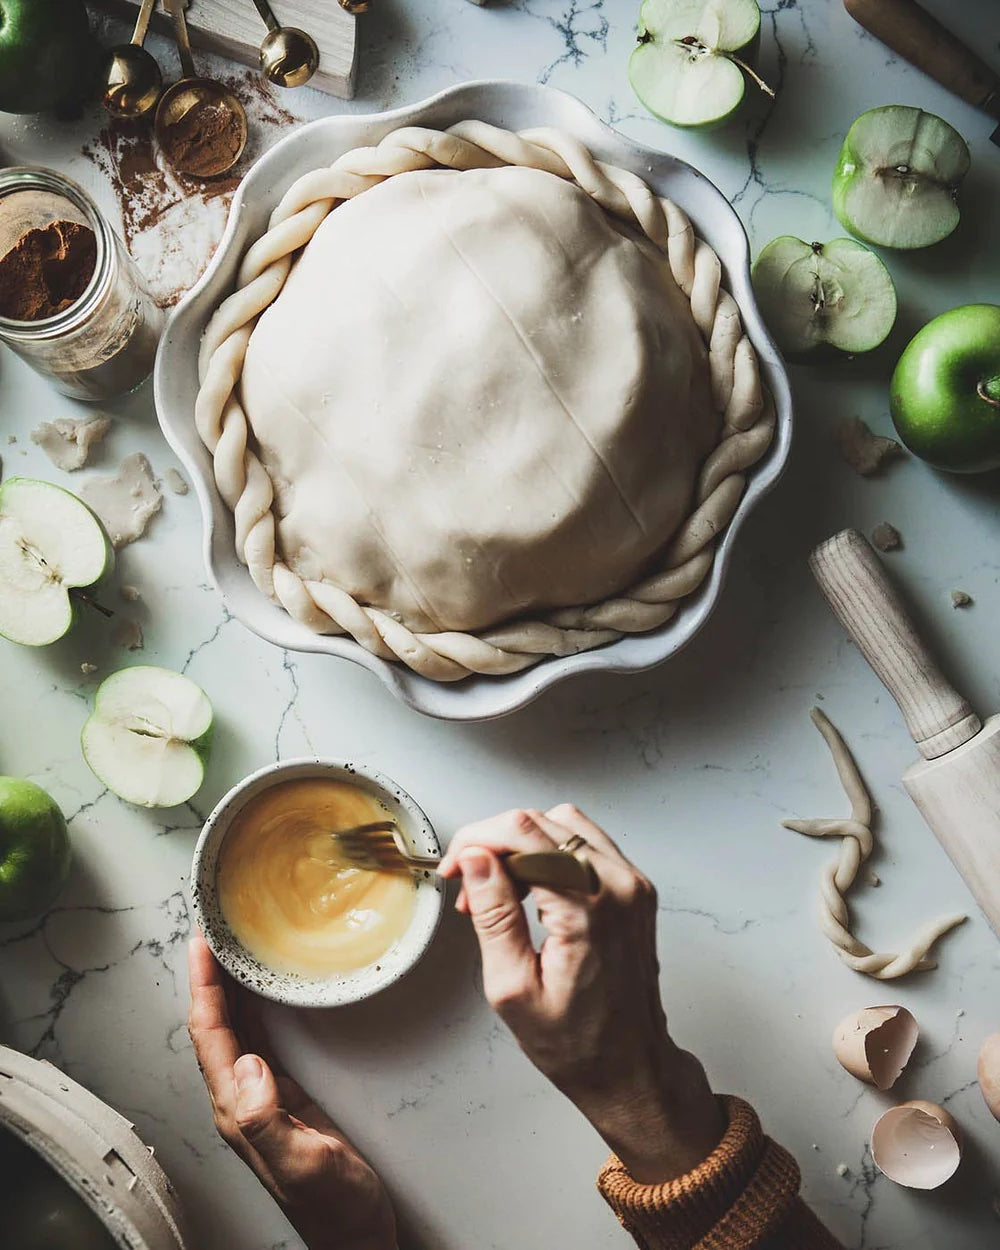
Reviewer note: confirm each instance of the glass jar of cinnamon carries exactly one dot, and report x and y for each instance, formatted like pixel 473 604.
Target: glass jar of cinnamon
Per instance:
pixel 71 301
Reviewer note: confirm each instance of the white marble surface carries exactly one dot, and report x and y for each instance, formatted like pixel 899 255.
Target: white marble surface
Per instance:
pixel 693 765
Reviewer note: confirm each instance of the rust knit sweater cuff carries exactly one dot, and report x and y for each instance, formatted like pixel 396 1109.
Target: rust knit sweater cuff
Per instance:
pixel 737 1199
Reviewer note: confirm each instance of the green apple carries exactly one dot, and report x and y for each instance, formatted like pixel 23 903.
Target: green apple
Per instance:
pixel 945 391
pixel 689 66
pixel 897 177
pixel 34 849
pixel 818 297
pixel 149 736
pixel 48 57
pixel 52 549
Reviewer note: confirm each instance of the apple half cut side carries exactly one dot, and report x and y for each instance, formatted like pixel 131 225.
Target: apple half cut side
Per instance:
pixel 897 177
pixel 52 548
pixel 688 68
pixel 149 736
pixel 823 297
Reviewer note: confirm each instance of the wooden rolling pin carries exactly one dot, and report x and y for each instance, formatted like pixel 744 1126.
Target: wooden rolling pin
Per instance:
pixel 956 783
pixel 921 39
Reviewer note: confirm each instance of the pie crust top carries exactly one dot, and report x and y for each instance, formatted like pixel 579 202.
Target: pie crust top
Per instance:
pixel 475 398
pixel 478 399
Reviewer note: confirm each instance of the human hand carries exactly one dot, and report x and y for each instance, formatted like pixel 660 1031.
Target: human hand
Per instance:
pixel 331 1196
pixel 586 1008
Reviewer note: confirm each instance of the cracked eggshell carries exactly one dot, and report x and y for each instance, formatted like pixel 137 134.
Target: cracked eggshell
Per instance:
pixel 875 1044
pixel 989 1073
pixel 917 1144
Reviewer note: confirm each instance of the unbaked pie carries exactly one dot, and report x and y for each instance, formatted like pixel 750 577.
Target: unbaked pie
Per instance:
pixel 478 399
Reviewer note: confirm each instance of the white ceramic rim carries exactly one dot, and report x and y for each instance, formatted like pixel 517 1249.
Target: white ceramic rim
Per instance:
pixel 513 105
pixel 76 1133
pixel 337 990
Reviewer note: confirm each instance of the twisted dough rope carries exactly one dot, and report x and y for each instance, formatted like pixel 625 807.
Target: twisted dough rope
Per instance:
pixel 747 411
pixel 841 874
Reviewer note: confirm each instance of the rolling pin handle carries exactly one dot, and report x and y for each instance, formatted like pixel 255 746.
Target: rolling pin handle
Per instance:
pixel 921 39
pixel 856 586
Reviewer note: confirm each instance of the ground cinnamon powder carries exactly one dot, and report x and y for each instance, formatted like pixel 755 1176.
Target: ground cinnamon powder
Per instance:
pixel 46 270
pixel 204 140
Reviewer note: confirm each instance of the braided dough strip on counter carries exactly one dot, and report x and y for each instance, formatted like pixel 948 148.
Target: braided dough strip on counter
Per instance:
pixel 840 875
pixel 748 419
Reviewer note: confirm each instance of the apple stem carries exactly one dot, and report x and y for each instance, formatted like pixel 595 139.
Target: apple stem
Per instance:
pixel 988 390
pixel 702 49
pixel 91 603
pixel 752 73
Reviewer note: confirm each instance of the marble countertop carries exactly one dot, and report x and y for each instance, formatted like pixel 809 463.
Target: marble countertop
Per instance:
pixel 693 765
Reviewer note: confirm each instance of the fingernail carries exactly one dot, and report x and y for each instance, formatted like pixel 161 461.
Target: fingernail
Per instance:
pixel 248 1070
pixel 476 867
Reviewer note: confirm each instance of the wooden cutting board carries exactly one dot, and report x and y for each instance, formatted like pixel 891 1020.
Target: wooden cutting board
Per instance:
pixel 233 28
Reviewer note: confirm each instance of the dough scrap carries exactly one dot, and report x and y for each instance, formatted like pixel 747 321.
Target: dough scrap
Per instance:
pixel 128 634
pixel 67 442
pixel 176 483
pixel 841 874
pixel 863 450
pixel 886 537
pixel 375 582
pixel 127 502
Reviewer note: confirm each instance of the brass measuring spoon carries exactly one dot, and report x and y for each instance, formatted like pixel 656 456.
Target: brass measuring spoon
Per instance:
pixel 197 114
pixel 132 78
pixel 288 56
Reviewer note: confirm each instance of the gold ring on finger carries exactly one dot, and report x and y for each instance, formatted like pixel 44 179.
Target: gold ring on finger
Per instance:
pixel 573 844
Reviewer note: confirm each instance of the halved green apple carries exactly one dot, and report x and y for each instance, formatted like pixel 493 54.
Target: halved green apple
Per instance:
pixel 149 736
pixel 52 549
pixel 823 296
pixel 689 66
pixel 897 177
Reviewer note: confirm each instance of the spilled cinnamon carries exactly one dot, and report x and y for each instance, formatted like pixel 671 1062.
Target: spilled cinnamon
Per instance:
pixel 172 223
pixel 46 270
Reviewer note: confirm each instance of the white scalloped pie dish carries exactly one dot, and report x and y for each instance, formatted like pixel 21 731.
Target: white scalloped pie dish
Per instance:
pixel 515 107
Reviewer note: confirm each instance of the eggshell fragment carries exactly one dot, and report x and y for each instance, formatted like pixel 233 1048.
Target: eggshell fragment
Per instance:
pixel 875 1044
pixel 989 1073
pixel 917 1144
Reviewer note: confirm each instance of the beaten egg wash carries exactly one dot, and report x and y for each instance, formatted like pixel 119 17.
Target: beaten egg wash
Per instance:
pixel 289 899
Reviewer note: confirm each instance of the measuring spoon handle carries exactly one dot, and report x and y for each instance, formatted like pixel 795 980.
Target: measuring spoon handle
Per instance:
pixel 142 23
pixel 176 10
pixel 266 13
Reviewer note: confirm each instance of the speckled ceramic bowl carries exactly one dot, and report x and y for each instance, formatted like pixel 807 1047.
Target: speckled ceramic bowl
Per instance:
pixel 515 106
pixel 335 990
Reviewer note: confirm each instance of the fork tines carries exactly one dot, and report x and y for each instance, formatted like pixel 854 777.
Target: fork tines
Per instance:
pixel 378 847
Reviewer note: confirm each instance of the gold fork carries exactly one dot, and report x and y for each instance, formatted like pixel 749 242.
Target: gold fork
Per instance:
pixel 380 846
